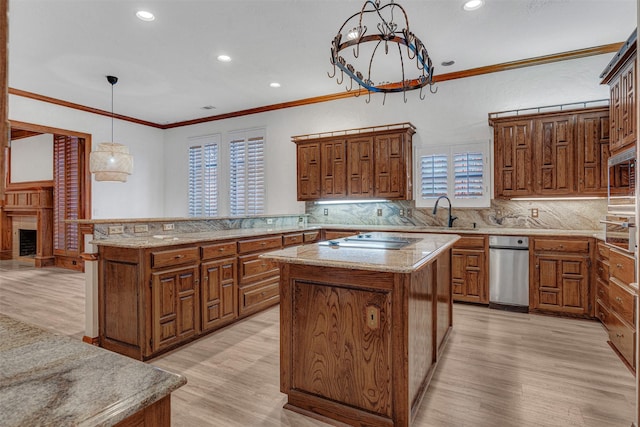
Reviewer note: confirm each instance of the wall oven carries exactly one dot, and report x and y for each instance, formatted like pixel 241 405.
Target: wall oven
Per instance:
pixel 622 183
pixel 620 231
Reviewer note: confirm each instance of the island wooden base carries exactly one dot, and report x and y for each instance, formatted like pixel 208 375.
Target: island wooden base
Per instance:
pixel 157 414
pixel 360 347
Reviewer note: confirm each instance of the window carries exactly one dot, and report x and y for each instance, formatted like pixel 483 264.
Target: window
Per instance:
pixel 68 153
pixel 246 172
pixel 203 176
pixel 460 172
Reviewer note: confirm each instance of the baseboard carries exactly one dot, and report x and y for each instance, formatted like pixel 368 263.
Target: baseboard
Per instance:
pixel 93 341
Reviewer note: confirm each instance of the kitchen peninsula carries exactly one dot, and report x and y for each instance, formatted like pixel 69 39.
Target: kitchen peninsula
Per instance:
pixel 361 327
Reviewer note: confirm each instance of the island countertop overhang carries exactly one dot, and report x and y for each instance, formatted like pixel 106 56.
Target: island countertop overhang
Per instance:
pixel 405 260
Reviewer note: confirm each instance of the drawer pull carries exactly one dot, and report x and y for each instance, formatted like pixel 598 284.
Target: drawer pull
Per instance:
pixel 618 265
pixel 619 335
pixel 263 244
pixel 619 300
pixel 221 249
pixel 264 265
pixel 602 315
pixel 178 256
pixel 600 270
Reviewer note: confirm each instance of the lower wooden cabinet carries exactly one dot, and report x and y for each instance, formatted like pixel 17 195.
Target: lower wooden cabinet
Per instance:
pixel 175 306
pixel 219 293
pixel 559 276
pixel 470 269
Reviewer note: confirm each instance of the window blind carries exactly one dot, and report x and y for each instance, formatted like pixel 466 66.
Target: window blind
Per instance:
pixel 468 175
pixel 246 173
pixel 434 175
pixel 67 194
pixel 203 180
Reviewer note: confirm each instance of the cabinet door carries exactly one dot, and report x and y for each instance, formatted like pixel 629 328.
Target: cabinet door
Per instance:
pixel 308 171
pixel 628 105
pixel 561 283
pixel 334 169
pixel 219 293
pixel 615 116
pixel 468 275
pixel 554 156
pixel 175 306
pixel 593 153
pixel 513 154
pixel 390 166
pixel 360 168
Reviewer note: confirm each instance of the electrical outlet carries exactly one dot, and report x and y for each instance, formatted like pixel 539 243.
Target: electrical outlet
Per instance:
pixel 116 229
pixel 379 212
pixel 401 212
pixel 141 228
pixel 326 212
pixel 534 213
pixel 269 220
pixel 408 213
pixel 168 227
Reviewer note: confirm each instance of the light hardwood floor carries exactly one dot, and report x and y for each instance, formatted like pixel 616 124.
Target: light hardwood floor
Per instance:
pixel 499 368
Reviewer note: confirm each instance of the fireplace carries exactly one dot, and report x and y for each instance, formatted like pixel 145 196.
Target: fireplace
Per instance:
pixel 28 240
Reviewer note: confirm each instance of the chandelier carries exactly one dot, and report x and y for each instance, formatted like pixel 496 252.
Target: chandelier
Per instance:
pixel 357 53
pixel 111 161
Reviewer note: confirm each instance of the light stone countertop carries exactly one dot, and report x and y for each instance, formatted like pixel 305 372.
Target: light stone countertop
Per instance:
pixel 55 380
pixel 405 260
pixel 204 236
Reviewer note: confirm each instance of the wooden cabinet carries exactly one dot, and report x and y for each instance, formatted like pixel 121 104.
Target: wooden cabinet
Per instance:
pixel 219 295
pixel 513 154
pixel 559 276
pixel 552 154
pixel 258 277
pixel 620 75
pixel 337 234
pixel 470 269
pixel 175 312
pixel 602 282
pixel 356 163
pixel 308 171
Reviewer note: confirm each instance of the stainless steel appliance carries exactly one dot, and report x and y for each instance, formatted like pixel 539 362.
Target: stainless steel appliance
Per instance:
pixel 622 183
pixel 509 273
pixel 620 231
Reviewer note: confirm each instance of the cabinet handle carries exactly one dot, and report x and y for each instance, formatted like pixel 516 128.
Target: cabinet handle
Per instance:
pixel 178 256
pixel 618 265
pixel 602 314
pixel 263 244
pixel 619 299
pixel 221 250
pixel 619 335
pixel 600 270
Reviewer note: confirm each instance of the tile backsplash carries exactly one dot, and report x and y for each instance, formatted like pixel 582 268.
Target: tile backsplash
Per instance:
pixel 551 214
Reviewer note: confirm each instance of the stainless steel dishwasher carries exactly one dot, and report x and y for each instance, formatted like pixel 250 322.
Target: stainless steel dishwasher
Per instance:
pixel 509 273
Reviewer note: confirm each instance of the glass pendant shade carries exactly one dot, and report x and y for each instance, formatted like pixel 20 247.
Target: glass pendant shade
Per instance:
pixel 111 162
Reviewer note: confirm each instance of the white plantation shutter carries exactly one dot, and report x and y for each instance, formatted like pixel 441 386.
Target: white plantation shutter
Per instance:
pixel 203 178
pixel 434 174
pixel 468 175
pixel 459 172
pixel 246 173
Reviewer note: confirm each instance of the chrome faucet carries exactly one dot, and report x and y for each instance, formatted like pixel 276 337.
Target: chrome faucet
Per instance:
pixel 451 218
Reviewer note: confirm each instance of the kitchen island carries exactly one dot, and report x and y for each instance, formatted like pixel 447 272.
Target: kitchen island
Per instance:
pixel 363 327
pixel 54 380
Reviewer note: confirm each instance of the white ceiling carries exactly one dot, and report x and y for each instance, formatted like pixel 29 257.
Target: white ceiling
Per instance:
pixel 168 68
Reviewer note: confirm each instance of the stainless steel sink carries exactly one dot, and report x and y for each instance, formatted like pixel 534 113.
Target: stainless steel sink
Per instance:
pixel 366 241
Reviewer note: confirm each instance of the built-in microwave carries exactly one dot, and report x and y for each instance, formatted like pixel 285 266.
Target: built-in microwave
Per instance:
pixel 620 231
pixel 622 183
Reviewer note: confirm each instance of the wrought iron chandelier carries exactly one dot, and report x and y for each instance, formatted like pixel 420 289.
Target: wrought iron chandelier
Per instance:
pixel 360 49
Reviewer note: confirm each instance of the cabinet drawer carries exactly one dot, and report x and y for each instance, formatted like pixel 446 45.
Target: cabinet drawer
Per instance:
pixel 337 234
pixel 603 250
pixel 603 313
pixel 311 236
pixel 622 337
pixel 470 242
pixel 261 244
pixel 622 302
pixel 218 250
pixel 602 270
pixel 293 239
pixel 252 268
pixel 174 257
pixel 561 245
pixel 622 267
pixel 602 292
pixel 259 295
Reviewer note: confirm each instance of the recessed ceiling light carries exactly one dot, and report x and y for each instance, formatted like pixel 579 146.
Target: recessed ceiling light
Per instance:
pixel 473 4
pixel 224 58
pixel 145 15
pixel 208 107
pixel 274 84
pixel 447 63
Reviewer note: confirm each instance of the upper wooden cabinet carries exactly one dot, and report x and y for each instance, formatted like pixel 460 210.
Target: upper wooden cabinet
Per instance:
pixel 356 164
pixel 552 154
pixel 620 75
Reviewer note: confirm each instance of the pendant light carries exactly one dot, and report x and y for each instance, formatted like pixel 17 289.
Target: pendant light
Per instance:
pixel 111 161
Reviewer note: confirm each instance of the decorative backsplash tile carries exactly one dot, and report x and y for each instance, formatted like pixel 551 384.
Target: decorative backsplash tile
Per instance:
pixel 552 214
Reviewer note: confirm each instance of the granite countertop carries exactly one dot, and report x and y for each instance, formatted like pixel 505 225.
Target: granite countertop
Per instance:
pixel 50 379
pixel 406 260
pixel 197 237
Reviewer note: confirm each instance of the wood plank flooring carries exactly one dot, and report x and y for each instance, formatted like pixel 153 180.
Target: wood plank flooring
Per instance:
pixel 499 368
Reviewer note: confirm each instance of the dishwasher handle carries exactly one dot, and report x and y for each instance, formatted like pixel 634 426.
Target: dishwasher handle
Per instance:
pixel 510 248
